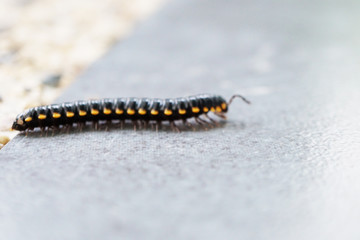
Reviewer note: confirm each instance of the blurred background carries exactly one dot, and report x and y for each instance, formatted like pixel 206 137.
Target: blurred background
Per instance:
pixel 45 44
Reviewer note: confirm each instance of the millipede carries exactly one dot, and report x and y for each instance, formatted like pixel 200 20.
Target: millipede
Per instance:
pixel 142 110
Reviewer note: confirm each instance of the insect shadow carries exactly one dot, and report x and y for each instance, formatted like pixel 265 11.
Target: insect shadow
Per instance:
pixel 199 125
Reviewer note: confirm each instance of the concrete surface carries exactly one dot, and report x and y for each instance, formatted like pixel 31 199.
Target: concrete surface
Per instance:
pixel 286 167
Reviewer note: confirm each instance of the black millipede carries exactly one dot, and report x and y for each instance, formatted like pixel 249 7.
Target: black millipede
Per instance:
pixel 135 109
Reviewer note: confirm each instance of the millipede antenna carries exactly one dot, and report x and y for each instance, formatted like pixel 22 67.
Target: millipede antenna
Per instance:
pixel 238 96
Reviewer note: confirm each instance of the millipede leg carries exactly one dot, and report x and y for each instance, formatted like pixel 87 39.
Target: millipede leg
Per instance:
pixel 146 124
pixel 55 128
pixel 64 129
pixel 206 122
pixel 96 125
pixel 221 115
pixel 157 126
pixel 52 130
pixel 212 120
pixel 139 123
pixel 188 124
pixel 134 124
pixel 122 122
pixel 174 127
pixel 200 123
pixel 68 127
pixel 42 129
pixel 81 125
pixel 108 124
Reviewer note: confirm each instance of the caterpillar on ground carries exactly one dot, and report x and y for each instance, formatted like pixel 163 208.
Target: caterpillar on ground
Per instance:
pixel 135 109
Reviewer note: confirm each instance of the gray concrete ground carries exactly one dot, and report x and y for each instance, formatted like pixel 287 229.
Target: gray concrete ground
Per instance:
pixel 286 167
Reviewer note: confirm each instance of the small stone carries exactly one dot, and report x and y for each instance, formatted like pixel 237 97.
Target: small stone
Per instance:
pixel 4 140
pixel 52 80
pixel 7 57
pixel 27 90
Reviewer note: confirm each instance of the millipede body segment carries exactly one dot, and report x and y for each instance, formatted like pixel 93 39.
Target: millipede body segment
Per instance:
pixel 108 109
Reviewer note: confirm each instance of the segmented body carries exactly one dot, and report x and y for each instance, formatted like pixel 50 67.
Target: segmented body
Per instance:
pixel 108 109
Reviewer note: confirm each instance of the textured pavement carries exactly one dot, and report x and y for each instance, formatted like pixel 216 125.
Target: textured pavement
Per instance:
pixel 285 167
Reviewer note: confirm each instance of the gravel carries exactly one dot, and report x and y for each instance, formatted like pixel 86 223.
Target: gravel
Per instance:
pixel 63 38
